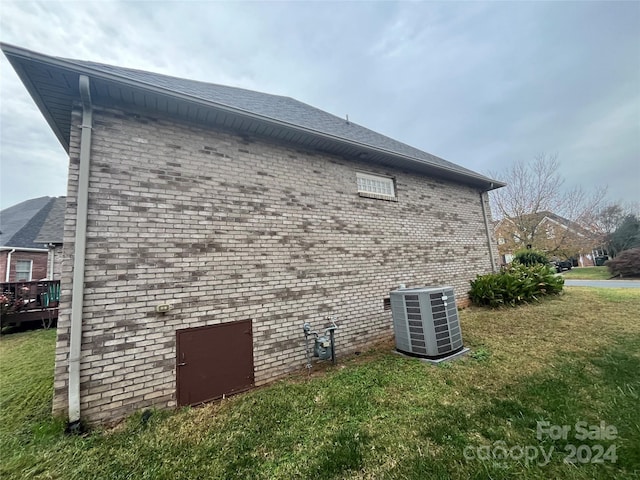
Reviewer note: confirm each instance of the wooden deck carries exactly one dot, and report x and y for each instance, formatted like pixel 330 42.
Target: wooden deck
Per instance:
pixel 22 302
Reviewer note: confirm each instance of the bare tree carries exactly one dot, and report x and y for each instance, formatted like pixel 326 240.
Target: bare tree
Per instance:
pixel 618 226
pixel 531 187
pixel 610 216
pixel 536 210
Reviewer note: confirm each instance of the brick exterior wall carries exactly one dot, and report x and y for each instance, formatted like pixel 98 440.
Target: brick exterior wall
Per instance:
pixel 227 227
pixel 38 267
pixel 54 262
pixel 3 265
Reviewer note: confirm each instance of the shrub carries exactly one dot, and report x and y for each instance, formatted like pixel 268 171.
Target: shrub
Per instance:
pixel 515 285
pixel 531 257
pixel 626 264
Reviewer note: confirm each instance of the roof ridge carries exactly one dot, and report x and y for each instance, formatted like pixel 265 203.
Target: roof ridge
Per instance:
pixel 85 63
pixel 52 229
pixel 26 235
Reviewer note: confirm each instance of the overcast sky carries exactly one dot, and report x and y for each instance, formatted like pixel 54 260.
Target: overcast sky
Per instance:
pixel 479 84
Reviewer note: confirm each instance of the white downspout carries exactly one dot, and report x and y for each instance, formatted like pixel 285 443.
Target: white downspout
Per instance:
pixel 50 257
pixel 486 226
pixel 6 276
pixel 77 291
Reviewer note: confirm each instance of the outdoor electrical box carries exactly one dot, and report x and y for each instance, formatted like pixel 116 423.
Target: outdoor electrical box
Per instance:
pixel 163 308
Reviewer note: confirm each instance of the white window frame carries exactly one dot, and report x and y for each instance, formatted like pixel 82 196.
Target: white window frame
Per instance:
pixel 376 186
pixel 30 273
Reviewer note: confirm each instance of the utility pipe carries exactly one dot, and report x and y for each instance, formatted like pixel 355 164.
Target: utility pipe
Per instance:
pixel 50 257
pixel 6 279
pixel 77 291
pixel 483 196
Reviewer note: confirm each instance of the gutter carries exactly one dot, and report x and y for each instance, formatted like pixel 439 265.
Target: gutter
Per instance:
pixel 77 291
pixel 20 249
pixel 8 265
pixel 483 197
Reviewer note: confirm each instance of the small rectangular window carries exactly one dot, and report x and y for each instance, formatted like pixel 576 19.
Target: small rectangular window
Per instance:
pixel 376 186
pixel 23 270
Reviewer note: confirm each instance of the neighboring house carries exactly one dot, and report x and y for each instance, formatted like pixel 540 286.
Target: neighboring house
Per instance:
pixel 51 235
pixel 205 224
pixel 22 258
pixel 546 231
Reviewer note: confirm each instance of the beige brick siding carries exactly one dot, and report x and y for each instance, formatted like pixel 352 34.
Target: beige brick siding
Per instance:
pixel 226 227
pixel 54 262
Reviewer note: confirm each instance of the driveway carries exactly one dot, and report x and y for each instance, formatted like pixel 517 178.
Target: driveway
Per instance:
pixel 603 283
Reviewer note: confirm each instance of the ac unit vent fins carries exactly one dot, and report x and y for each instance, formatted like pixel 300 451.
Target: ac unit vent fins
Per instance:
pixel 426 322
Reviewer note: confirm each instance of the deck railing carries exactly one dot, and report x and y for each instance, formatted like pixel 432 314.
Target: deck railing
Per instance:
pixel 29 301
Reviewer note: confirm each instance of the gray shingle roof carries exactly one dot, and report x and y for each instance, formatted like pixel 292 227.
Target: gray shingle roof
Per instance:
pixel 52 230
pixel 284 109
pixel 21 223
pixel 53 84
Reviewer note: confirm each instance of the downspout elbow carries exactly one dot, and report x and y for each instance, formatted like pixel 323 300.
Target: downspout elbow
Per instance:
pixel 8 272
pixel 85 94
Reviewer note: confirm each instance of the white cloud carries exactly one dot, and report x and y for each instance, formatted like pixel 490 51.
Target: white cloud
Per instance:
pixel 481 84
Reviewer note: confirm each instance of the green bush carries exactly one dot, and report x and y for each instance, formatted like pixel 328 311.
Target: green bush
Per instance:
pixel 515 285
pixel 531 257
pixel 626 264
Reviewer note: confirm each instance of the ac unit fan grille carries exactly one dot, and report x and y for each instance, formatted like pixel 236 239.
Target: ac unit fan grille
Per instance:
pixel 446 322
pixel 426 321
pixel 416 328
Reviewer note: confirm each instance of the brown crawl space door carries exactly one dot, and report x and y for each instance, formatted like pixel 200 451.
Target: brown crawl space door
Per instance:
pixel 213 361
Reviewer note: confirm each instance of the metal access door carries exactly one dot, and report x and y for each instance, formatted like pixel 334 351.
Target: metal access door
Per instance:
pixel 213 361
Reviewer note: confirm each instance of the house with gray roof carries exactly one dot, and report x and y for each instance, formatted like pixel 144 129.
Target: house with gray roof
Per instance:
pixel 22 257
pixel 559 237
pixel 51 234
pixel 205 224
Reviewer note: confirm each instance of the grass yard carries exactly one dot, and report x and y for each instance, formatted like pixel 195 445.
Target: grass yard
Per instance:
pixel 587 273
pixel 377 416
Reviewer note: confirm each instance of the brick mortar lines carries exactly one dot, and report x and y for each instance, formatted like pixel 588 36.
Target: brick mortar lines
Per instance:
pixel 228 227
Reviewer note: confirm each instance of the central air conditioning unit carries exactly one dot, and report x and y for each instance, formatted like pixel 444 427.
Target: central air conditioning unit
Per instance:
pixel 426 323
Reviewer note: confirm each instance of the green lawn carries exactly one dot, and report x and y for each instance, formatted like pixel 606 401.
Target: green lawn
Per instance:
pixel 587 273
pixel 377 416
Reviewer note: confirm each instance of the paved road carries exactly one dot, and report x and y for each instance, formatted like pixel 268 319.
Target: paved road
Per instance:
pixel 603 283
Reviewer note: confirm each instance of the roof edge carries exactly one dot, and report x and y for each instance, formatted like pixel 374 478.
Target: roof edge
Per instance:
pixel 22 249
pixel 12 52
